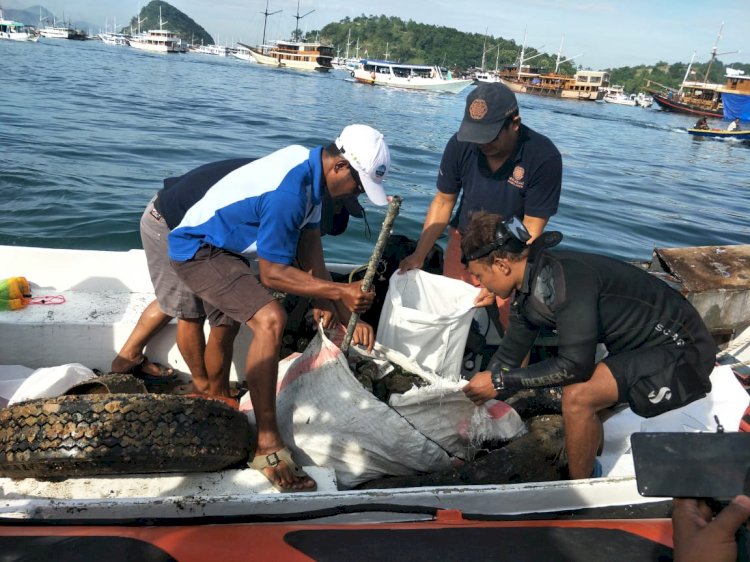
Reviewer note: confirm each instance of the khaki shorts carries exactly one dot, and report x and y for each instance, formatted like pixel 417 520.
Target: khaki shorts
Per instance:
pixel 229 286
pixel 173 295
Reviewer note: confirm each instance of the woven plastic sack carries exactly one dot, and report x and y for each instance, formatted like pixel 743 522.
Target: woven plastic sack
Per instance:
pixel 427 317
pixel 328 419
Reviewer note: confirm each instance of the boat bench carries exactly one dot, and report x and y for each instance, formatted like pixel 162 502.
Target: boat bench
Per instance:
pixel 104 292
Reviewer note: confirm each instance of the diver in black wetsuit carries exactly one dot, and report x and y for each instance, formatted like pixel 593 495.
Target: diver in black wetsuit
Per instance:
pixel 660 351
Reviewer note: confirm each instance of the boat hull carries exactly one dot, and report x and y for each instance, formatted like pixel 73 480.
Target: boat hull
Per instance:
pixel 680 107
pixel 720 134
pixel 524 88
pixel 153 48
pixel 275 59
pixel 453 86
pixel 446 536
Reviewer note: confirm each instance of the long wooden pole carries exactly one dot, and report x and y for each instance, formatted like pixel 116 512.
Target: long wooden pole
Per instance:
pixel 385 232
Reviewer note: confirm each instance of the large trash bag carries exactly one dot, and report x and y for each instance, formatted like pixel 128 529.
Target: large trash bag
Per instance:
pixel 15 293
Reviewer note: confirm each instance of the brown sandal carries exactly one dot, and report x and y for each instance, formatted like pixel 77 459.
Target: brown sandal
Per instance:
pixel 272 460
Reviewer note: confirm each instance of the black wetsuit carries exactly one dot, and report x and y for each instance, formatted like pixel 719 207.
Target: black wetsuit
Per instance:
pixel 650 330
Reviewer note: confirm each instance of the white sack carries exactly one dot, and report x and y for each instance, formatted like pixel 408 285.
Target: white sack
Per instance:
pixel 427 318
pixel 325 416
pixel 442 412
pixel 51 381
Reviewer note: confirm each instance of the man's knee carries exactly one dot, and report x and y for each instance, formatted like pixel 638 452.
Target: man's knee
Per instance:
pixel 269 321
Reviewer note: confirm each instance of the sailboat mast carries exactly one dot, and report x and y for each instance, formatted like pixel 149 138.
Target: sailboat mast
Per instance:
pixel 265 20
pixel 559 54
pixel 687 72
pixel 713 54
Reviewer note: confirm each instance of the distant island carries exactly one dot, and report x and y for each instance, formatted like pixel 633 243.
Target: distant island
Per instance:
pixel 409 41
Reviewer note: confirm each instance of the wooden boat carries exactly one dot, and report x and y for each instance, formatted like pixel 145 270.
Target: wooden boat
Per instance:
pixel 224 515
pixel 584 85
pixel 720 134
pixel 695 99
pixel 735 95
pixel 298 55
pixel 408 76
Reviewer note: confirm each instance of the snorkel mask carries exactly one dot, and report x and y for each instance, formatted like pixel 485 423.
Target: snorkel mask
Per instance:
pixel 510 234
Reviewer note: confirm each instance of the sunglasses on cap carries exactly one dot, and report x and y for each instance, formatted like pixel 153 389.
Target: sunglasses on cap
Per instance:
pixel 510 235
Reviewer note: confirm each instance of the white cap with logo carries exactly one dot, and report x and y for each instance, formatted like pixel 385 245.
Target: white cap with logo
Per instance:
pixel 367 152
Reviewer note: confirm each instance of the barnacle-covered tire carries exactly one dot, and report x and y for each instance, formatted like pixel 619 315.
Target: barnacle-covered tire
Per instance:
pixel 100 434
pixel 112 383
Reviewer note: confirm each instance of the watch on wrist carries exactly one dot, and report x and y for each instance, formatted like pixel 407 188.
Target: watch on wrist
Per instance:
pixel 497 379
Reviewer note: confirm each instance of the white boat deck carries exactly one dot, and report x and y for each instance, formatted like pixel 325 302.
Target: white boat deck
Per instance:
pixel 105 293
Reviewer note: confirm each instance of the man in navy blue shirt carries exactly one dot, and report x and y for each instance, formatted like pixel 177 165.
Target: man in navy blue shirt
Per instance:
pixel 495 164
pixel 267 213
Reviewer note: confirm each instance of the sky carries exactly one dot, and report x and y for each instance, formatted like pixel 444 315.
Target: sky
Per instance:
pixel 597 34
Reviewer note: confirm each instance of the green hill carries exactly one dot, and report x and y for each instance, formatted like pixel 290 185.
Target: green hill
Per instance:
pixel 409 41
pixel 175 20
pixel 418 43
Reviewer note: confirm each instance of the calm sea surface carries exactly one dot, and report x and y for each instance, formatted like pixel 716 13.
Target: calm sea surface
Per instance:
pixel 88 132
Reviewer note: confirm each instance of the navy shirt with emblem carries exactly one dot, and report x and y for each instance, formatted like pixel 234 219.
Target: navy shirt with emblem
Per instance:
pixel 527 184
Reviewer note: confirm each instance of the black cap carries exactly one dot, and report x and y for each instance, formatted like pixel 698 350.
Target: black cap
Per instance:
pixel 487 107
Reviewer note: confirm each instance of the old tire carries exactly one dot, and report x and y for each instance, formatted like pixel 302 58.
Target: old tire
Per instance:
pixel 113 383
pixel 99 434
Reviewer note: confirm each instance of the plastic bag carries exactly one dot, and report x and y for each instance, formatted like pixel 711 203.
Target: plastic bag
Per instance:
pixel 427 317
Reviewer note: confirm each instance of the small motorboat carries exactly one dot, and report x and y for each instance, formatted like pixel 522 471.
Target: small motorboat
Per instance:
pixel 720 133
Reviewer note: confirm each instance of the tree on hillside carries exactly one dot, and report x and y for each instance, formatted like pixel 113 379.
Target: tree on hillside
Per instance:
pixel 409 41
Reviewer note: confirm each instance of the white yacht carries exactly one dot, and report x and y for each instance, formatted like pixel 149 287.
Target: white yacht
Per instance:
pixel 157 40
pixel 408 76
pixel 15 30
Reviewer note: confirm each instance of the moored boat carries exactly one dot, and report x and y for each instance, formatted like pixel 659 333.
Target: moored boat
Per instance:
pixel 616 95
pixel 735 95
pixel 15 30
pixel 408 76
pixel 585 85
pixel 157 40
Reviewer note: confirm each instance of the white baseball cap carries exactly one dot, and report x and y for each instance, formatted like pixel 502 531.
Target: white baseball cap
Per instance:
pixel 367 152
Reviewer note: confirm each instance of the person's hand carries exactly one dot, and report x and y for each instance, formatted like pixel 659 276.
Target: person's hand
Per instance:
pixel 484 298
pixel 325 312
pixel 412 261
pixel 363 335
pixel 355 299
pixel 697 538
pixel 480 389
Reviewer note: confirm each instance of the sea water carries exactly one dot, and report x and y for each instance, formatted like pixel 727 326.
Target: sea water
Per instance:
pixel 88 132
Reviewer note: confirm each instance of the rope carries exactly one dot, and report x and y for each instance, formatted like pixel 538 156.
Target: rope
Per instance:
pixel 48 299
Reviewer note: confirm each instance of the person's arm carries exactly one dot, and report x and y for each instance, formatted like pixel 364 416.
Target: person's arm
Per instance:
pixel 289 279
pixel 535 226
pixel 310 256
pixel 514 347
pixel 542 196
pixel 698 538
pixel 438 216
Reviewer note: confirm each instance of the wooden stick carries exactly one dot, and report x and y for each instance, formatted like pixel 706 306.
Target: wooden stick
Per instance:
pixel 385 232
